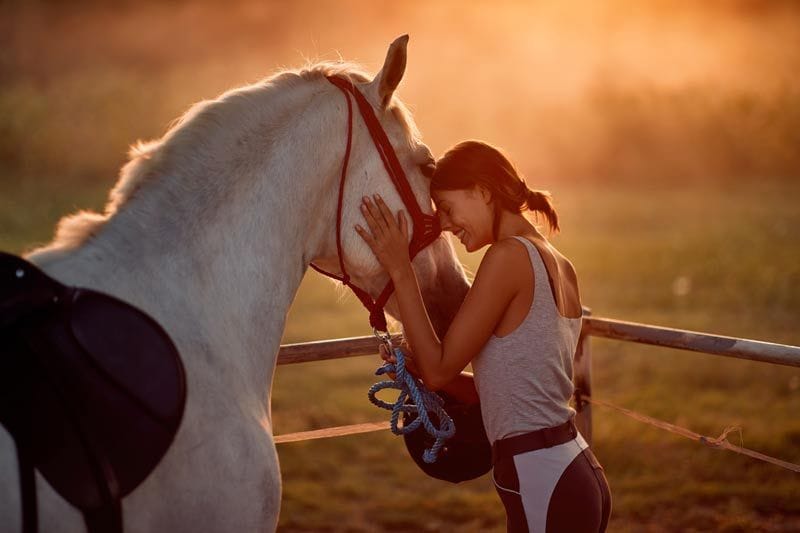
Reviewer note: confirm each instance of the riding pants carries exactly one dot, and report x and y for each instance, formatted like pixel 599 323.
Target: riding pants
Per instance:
pixel 553 490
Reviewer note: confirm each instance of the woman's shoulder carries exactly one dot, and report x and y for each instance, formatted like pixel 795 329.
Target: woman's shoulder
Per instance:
pixel 507 249
pixel 507 258
pixel 516 256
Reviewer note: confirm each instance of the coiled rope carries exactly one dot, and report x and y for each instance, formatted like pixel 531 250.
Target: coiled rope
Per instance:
pixel 424 403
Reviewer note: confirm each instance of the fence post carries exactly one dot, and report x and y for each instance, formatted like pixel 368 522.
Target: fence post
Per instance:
pixel 582 378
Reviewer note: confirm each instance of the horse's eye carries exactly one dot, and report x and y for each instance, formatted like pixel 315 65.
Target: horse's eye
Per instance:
pixel 427 169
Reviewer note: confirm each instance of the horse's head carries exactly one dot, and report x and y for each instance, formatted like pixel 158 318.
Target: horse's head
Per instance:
pixel 242 164
pixel 441 277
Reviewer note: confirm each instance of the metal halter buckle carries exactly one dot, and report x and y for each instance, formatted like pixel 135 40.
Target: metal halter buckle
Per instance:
pixel 383 336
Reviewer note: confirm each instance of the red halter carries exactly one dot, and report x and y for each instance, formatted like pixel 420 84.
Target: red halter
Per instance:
pixel 426 227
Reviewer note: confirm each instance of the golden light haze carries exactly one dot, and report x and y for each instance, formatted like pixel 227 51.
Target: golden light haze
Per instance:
pixel 621 89
pixel 667 131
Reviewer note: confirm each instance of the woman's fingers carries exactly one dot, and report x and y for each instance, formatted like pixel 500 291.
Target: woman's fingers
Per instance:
pixel 371 218
pixel 386 236
pixel 380 213
pixel 387 219
pixel 377 209
pixel 366 236
pixel 385 355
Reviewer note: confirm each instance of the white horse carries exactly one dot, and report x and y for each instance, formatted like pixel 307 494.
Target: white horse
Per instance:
pixel 210 230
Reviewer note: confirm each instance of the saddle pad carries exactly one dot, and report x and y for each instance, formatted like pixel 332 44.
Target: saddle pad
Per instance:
pixel 467 455
pixel 92 387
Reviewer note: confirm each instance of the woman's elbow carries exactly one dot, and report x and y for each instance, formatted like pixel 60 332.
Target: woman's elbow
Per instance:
pixel 436 382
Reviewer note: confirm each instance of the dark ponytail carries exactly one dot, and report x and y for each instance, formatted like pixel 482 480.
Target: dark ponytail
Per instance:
pixel 472 162
pixel 542 202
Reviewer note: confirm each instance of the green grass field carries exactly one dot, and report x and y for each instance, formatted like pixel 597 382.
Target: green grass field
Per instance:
pixel 739 253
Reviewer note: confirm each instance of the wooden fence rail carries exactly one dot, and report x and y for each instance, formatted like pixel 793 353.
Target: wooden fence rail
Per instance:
pixel 767 352
pixel 753 350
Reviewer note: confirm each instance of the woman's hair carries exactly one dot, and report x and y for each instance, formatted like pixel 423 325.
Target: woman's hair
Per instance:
pixel 474 162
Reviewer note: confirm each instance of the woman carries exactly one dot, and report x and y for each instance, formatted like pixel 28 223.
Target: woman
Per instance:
pixel 518 326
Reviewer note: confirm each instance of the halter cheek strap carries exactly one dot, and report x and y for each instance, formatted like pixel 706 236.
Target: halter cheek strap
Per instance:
pixel 426 227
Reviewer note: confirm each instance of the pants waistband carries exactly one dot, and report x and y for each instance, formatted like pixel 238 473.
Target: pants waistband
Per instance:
pixel 535 440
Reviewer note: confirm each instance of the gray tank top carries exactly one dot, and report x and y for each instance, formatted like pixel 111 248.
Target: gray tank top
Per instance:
pixel 524 379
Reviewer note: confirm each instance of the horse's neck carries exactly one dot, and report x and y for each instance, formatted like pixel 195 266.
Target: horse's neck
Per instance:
pixel 220 285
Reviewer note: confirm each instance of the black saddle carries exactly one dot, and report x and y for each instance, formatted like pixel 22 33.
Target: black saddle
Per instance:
pixel 91 388
pixel 467 455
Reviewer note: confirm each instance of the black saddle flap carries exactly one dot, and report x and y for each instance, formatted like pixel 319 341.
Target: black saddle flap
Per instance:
pixel 132 350
pixel 93 387
pixel 467 455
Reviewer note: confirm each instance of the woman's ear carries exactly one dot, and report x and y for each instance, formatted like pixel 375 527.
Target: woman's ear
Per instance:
pixel 483 193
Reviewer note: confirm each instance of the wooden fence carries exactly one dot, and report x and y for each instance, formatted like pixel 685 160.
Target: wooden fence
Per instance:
pixel 767 352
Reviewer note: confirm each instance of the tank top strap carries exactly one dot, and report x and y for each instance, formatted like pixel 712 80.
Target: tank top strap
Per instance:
pixel 542 292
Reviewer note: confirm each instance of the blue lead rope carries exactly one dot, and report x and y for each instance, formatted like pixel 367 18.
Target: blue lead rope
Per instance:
pixel 423 402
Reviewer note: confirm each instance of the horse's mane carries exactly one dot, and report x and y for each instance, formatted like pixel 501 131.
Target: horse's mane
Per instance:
pixel 146 158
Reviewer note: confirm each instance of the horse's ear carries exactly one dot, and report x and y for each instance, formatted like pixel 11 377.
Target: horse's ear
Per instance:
pixel 387 80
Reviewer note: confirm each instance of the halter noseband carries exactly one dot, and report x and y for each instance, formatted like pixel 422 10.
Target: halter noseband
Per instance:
pixel 426 227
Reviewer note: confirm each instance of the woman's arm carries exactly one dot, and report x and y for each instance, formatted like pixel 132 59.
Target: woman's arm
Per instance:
pixel 484 305
pixel 495 285
pixel 462 388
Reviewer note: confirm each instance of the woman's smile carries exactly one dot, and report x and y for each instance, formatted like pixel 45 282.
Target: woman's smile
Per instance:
pixel 457 207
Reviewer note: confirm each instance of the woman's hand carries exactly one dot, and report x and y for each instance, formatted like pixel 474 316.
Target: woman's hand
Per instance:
pixel 387 238
pixel 387 358
pixel 391 358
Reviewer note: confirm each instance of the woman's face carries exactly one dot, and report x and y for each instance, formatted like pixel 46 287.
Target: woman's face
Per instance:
pixel 467 213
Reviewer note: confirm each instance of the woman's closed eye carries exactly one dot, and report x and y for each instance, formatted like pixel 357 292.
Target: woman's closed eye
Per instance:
pixel 443 212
